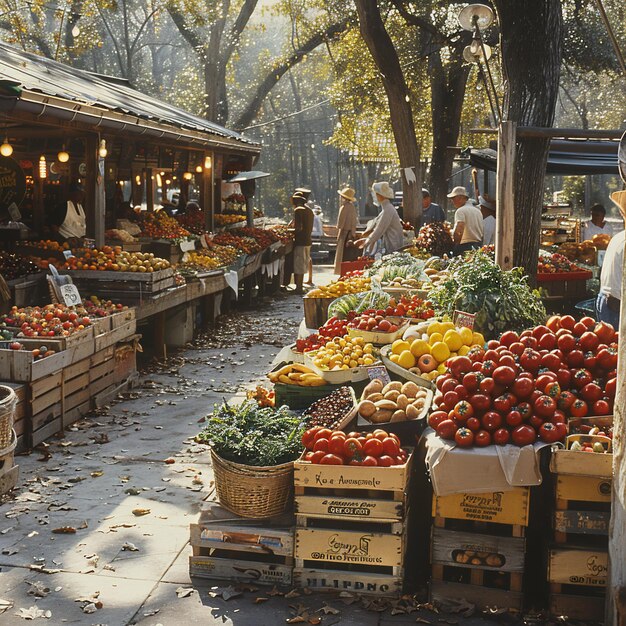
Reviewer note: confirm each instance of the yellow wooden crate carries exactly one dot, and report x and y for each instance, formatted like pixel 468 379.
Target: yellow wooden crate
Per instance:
pixel 578 566
pixel 583 488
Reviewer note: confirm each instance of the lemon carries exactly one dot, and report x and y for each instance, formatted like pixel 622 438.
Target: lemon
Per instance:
pixel 466 335
pixel 440 351
pixel 446 326
pixel 453 340
pixel 419 347
pixel 441 369
pixel 464 350
pixel 435 327
pixel 435 338
pixel 368 360
pixel 399 346
pixel 478 339
pixel 406 359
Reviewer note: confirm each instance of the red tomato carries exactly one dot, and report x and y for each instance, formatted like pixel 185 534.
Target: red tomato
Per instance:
pixel 579 408
pixel 390 447
pixel 463 410
pixel 476 355
pixel 369 461
pixel 551 361
pixel 459 365
pixel 523 435
pixel 591 393
pixel 540 331
pixel 547 341
pixel 564 377
pixel 565 400
pixel 607 358
pixel 492 355
pixel 473 423
pixel 318 456
pixel 601 407
pixel 611 387
pixel 492 344
pixel 385 461
pixel 352 447
pixel 446 429
pixel 605 332
pixel 449 385
pixel 554 323
pixel 589 322
pixel 553 389
pixel 373 447
pixel 528 341
pixel 568 322
pixel 488 368
pixel 491 421
pixel 434 419
pixel 501 437
pixel 513 417
pixel 530 360
pixel 308 437
pixel 331 459
pixel 323 433
pixel 309 456
pixel 482 438
pixel 487 385
pixel 321 445
pixel 581 378
pixel 502 404
pixel 549 433
pixel 591 361
pixel 509 337
pixel 480 403
pixel 589 341
pixel 450 400
pixel 517 348
pixel 575 358
pixel 471 381
pixel 559 417
pixel 544 406
pixel 461 392
pixel 566 342
pixel 579 329
pixel 464 437
pixel 525 409
pixel 522 387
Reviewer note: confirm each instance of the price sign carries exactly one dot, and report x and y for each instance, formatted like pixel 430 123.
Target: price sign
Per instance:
pixel 67 254
pixel 461 318
pixel 70 295
pixel 380 372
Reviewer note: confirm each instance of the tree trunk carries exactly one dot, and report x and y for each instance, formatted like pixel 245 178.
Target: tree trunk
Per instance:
pixel 531 37
pixel 385 56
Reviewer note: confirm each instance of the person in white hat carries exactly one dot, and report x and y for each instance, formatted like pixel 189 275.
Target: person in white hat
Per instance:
pixel 488 209
pixel 609 299
pixel 347 221
pixel 387 227
pixel 468 222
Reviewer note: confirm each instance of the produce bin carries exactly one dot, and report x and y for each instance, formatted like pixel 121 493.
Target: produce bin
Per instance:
pixel 316 311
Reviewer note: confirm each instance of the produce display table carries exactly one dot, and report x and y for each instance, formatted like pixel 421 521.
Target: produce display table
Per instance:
pixel 566 285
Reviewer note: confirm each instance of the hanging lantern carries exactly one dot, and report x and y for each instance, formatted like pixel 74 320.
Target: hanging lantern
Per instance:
pixel 207 163
pixel 43 168
pixel 187 176
pixel 199 169
pixel 63 156
pixel 6 149
pixel 102 150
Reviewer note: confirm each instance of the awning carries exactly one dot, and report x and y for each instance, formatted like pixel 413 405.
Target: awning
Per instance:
pixel 567 158
pixel 50 89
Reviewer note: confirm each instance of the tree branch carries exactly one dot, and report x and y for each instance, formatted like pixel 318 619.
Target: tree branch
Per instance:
pixel 277 71
pixel 416 20
pixel 189 35
pixel 238 27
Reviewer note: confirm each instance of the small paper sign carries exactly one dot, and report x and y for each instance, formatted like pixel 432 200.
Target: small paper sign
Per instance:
pixel 70 295
pixel 380 372
pixel 461 318
pixel 68 253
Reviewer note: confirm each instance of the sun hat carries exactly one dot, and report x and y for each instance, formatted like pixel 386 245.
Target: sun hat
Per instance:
pixel 348 193
pixel 488 202
pixel 458 191
pixel 303 190
pixel 383 189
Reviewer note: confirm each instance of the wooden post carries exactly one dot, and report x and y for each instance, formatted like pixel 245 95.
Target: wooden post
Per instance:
pixel 505 195
pixel 94 191
pixel 99 204
pixel 149 190
pixel 208 179
pixel 615 610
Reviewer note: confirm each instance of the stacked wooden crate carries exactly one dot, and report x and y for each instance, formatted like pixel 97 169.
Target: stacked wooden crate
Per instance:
pixel 478 547
pixel 8 470
pixel 578 559
pixel 228 547
pixel 351 527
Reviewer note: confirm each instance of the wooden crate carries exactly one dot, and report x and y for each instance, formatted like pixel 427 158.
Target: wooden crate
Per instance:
pixel 111 337
pixel 316 311
pixel 581 489
pixel 21 408
pixel 577 606
pixel 125 360
pixel 578 566
pixel 500 507
pixel 228 547
pixel 8 473
pixel 355 582
pixel 104 282
pixel 583 524
pixel 482 597
pixel 581 464
pixel 123 317
pixel 450 548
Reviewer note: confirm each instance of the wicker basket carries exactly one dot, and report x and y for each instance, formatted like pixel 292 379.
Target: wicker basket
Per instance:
pixel 8 402
pixel 252 491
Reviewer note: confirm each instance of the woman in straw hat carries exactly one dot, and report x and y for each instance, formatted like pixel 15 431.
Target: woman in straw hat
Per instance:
pixel 610 297
pixel 346 225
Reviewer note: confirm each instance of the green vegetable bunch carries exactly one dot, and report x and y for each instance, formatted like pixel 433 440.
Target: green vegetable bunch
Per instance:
pixel 251 435
pixel 501 300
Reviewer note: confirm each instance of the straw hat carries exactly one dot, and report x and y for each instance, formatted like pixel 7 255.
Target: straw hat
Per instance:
pixel 383 189
pixel 488 202
pixel 348 193
pixel 619 199
pixel 458 191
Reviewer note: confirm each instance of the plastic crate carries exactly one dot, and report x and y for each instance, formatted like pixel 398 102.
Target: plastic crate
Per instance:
pixel 359 264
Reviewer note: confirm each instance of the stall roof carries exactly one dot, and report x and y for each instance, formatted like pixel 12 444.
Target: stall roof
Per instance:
pixel 104 101
pixel 566 157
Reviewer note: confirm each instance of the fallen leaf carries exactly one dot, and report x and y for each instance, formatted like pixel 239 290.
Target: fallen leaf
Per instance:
pixel 90 608
pixel 260 600
pixel 292 594
pixel 298 619
pixel 151 613
pixel 421 620
pixel 315 620
pixel 96 474
pixel 109 567
pixel 33 613
pixel 169 461
pixel 64 530
pixel 184 592
pixel 5 605
pixel 328 610
pixel 140 512
pixel 275 592
pixel 130 547
pixel 38 589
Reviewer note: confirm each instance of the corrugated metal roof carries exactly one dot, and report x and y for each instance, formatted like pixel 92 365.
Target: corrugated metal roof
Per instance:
pixel 42 75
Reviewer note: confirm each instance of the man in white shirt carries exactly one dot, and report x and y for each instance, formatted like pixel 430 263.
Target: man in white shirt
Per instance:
pixel 468 222
pixel 610 296
pixel 488 209
pixel 597 225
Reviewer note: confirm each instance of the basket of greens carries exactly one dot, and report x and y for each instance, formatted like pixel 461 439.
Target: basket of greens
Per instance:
pixel 252 452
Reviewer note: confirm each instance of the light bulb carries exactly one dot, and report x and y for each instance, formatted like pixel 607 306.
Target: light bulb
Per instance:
pixel 43 169
pixel 6 149
pixel 159 181
pixel 138 179
pixel 102 150
pixel 75 31
pixel 187 176
pixel 207 163
pixel 199 169
pixel 63 156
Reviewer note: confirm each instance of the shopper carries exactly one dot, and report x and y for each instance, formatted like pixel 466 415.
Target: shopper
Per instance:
pixel 468 222
pixel 487 206
pixel 347 221
pixel 597 225
pixel 431 212
pixel 387 227
pixel 303 226
pixel 609 299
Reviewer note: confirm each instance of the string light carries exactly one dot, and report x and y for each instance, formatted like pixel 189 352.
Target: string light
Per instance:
pixel 6 149
pixel 199 169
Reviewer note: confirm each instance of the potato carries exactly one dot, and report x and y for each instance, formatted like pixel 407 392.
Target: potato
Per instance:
pixel 367 408
pixel 375 386
pixel 394 385
pixel 419 404
pixel 412 412
pixel 402 401
pixel 410 389
pixel 380 416
pixel 398 416
pixel 392 395
pixel 386 405
pixel 375 397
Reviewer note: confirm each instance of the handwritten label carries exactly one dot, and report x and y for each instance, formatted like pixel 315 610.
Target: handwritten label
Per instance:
pixel 68 253
pixel 380 372
pixel 70 295
pixel 461 318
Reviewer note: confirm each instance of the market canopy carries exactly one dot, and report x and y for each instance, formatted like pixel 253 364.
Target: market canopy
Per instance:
pixel 566 157
pixel 36 85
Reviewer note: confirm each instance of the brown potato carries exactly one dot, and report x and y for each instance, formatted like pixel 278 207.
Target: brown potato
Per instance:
pixel 410 389
pixel 402 401
pixel 392 395
pixel 367 408
pixel 380 416
pixel 386 405
pixel 375 386
pixel 375 397
pixel 398 416
pixel 394 385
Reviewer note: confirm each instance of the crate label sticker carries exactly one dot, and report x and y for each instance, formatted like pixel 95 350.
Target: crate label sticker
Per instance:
pixel 461 318
pixel 320 580
pixel 343 481
pixel 380 372
pixel 596 574
pixel 348 550
pixel 70 295
pixel 353 508
pixel 482 506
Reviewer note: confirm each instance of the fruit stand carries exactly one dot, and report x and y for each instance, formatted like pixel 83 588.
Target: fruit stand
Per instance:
pixel 507 409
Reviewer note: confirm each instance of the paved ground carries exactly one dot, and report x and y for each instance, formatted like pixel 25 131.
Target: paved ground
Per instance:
pixel 115 567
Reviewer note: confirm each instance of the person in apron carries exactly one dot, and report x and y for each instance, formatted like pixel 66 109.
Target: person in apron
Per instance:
pixel 346 228
pixel 74 225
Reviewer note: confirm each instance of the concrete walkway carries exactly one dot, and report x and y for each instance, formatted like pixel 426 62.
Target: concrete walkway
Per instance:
pixel 97 532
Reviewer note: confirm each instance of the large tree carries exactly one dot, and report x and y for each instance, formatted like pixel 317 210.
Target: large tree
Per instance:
pixel 531 41
pixel 385 56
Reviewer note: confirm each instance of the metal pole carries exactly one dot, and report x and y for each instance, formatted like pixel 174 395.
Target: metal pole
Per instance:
pixel 607 24
pixel 479 36
pixel 56 53
pixel 491 105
